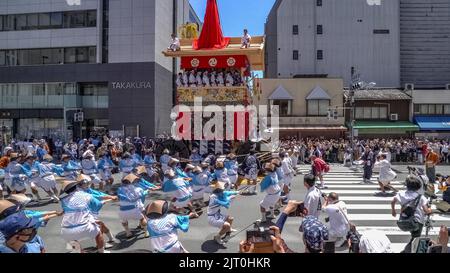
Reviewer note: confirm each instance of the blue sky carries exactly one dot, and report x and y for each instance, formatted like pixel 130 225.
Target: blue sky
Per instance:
pixel 235 15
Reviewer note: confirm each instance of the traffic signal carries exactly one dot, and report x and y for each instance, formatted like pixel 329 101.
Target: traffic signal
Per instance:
pixel 336 114
pixel 78 117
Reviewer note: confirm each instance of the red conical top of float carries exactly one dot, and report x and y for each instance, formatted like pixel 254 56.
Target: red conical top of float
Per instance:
pixel 211 36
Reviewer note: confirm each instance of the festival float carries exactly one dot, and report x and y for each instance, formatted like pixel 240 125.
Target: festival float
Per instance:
pixel 217 68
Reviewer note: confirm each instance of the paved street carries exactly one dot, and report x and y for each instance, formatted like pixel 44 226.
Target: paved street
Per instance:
pixel 366 210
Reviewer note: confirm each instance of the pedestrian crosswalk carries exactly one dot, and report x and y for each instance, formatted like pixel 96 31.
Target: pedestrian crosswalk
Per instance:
pixel 368 209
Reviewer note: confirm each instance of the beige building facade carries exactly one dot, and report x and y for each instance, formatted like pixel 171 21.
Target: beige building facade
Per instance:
pixel 308 107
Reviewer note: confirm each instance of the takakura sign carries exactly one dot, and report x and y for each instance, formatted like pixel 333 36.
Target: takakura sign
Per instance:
pixel 131 85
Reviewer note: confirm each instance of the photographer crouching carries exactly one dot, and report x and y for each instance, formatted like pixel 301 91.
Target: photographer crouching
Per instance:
pixel 315 233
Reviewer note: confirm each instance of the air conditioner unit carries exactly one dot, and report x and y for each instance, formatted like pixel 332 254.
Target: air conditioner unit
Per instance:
pixel 447 86
pixel 394 117
pixel 409 87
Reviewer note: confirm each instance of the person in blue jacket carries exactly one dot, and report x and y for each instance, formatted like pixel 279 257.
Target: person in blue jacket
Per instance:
pixel 71 167
pixel 220 199
pixel 163 228
pixel 105 166
pixel 18 234
pixel 85 184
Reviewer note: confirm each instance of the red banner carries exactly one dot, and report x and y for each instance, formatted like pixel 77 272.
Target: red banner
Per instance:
pixel 211 62
pixel 185 127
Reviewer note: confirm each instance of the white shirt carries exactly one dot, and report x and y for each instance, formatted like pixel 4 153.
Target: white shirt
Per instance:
pixel 176 42
pixel 374 241
pixel 339 225
pixel 406 196
pixel 312 200
pixel 246 39
pixel 286 166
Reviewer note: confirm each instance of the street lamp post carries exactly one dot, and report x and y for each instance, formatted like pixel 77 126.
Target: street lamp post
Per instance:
pixel 355 85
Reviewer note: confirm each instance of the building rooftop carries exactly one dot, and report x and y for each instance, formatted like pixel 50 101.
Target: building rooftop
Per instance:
pixel 380 94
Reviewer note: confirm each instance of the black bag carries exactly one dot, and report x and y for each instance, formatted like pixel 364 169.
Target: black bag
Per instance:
pixel 407 221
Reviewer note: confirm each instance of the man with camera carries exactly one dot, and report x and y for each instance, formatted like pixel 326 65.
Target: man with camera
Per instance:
pixel 315 234
pixel 338 219
pixel 312 199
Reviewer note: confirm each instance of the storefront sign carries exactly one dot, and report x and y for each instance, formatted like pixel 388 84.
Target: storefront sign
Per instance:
pixel 131 85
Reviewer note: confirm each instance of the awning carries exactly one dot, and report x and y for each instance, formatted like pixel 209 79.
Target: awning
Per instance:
pixel 312 128
pixel 318 94
pixel 436 123
pixel 385 127
pixel 281 94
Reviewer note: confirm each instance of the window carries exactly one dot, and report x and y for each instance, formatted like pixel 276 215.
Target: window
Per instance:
pixel 383 113
pixel 11 57
pixel 375 112
pixel 284 107
pixel 8 22
pixel 295 55
pixel 92 55
pixel 371 113
pixel 44 20
pixel 38 91
pixel 21 22
pixel 318 108
pixel 56 19
pixel 82 55
pixel 319 29
pixel 359 113
pixel 447 109
pixel 2 57
pixel 432 109
pixel 424 109
pixel 91 18
pixel 35 57
pixel 48 56
pixel 367 113
pixel 70 55
pixel 32 21
pixel 319 3
pixel 319 54
pixel 94 95
pixel 25 94
pixel 23 57
pixel 381 31
pixel 76 19
pixel 295 30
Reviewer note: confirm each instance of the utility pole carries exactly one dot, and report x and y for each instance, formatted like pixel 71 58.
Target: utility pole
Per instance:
pixel 353 87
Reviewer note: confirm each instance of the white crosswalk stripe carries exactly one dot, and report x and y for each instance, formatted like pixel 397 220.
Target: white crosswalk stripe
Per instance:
pixel 368 209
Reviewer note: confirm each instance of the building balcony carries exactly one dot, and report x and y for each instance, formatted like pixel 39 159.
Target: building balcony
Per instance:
pixel 310 121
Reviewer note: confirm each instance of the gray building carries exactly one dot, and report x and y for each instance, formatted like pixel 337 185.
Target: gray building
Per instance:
pixel 329 37
pixel 392 44
pixel 425 43
pixel 101 57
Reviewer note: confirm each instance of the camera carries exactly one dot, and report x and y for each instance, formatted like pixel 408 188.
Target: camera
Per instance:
pixel 260 238
pixel 259 233
pixel 299 212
